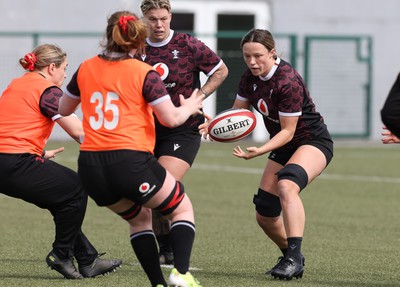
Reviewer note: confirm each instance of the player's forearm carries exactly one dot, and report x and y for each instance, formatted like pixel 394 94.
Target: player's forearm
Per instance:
pixel 215 80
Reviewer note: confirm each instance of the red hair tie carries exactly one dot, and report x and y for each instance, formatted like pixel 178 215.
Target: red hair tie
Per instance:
pixel 123 20
pixel 30 58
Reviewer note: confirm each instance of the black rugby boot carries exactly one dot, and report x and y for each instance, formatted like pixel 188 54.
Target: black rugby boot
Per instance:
pixel 278 263
pixel 100 267
pixel 287 269
pixel 65 267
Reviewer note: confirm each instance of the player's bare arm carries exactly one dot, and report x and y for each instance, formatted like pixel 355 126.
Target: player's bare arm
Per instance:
pixel 215 80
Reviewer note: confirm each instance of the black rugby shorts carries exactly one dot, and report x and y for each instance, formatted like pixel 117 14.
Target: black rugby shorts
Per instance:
pixel 109 176
pixel 183 145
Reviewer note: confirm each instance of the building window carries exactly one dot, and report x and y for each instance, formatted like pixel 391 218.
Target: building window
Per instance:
pixel 183 22
pixel 231 29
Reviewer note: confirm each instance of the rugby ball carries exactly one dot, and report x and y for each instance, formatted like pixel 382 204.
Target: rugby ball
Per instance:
pixel 232 125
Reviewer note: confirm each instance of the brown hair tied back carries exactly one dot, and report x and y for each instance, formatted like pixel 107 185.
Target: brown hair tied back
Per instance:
pixel 124 32
pixel 42 56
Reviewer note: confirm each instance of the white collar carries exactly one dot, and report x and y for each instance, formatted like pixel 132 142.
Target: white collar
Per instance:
pixel 162 43
pixel 272 72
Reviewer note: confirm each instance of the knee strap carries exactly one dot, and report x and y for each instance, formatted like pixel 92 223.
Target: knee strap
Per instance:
pixel 173 200
pixel 295 173
pixel 267 204
pixel 131 212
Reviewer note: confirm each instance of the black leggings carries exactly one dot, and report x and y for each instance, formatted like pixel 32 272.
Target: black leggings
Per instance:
pixel 56 188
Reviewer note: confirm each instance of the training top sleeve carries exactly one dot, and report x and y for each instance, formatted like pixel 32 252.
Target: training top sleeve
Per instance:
pixel 72 87
pixel 154 90
pixel 49 102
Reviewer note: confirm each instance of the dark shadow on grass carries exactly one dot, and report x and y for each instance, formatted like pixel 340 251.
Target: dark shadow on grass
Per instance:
pixel 54 276
pixel 32 275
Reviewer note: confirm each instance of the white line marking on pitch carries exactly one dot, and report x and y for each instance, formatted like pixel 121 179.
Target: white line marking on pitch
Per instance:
pixel 169 266
pixel 328 176
pixel 250 170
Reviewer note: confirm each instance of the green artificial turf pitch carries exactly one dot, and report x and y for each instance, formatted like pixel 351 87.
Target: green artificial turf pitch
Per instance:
pixel 352 235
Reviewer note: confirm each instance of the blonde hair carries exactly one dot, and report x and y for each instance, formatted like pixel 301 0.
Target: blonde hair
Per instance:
pixel 123 39
pixel 42 56
pixel 147 5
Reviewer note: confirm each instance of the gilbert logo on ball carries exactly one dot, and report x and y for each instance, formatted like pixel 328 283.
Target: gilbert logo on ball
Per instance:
pixel 232 125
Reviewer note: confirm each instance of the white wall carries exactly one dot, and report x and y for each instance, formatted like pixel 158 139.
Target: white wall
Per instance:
pixel 50 15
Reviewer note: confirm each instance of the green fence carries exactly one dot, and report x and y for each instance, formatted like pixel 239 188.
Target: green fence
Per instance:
pixel 338 72
pixel 15 45
pixel 337 69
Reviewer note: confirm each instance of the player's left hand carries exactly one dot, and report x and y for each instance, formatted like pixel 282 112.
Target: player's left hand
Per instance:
pixel 250 152
pixel 52 153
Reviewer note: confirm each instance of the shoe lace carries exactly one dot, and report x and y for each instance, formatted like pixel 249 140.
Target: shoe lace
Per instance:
pixel 278 262
pixel 95 260
pixel 287 262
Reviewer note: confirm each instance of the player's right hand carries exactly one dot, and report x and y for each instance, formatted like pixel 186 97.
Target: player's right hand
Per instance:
pixel 52 153
pixel 203 128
